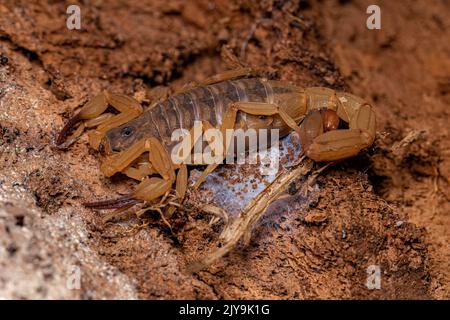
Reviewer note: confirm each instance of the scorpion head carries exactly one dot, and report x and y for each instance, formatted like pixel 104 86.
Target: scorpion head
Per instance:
pixel 120 138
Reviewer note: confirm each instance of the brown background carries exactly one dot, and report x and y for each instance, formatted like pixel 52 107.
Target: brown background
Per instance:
pixel 388 207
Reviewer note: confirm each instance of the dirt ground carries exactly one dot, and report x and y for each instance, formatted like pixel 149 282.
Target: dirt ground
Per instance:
pixel 388 207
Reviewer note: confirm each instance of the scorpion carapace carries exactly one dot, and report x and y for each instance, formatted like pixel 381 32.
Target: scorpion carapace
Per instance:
pixel 138 142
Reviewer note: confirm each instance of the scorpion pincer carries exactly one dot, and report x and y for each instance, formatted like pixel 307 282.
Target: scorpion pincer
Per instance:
pixel 332 126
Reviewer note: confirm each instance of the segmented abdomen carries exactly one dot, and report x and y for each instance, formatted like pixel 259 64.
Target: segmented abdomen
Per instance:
pixel 205 103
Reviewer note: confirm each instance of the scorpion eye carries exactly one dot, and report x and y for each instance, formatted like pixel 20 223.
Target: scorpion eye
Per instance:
pixel 127 131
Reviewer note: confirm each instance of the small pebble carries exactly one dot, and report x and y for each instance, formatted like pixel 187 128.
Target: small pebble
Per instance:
pixel 3 60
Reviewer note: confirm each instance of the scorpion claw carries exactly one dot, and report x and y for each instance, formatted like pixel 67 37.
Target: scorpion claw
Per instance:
pixel 113 203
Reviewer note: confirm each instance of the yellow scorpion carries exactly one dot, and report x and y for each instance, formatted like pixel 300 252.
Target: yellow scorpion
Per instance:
pixel 332 126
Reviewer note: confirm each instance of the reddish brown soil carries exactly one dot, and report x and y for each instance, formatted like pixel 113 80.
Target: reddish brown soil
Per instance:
pixel 404 69
pixel 387 207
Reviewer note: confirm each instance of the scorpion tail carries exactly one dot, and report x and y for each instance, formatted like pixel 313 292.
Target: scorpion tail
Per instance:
pixel 117 203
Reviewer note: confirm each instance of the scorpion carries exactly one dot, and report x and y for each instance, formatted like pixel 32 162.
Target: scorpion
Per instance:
pixel 332 126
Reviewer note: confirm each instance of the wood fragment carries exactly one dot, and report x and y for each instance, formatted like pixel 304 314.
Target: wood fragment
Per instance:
pixel 253 212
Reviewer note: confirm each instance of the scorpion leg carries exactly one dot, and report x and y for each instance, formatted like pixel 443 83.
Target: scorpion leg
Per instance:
pixel 237 73
pixel 149 188
pixel 90 110
pixel 98 121
pixel 139 173
pixel 182 175
pixel 237 68
pixel 120 162
pixel 180 188
pixel 229 75
pixel 128 107
pixel 267 109
pixel 181 184
pixel 139 169
pixel 152 188
pixel 254 108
